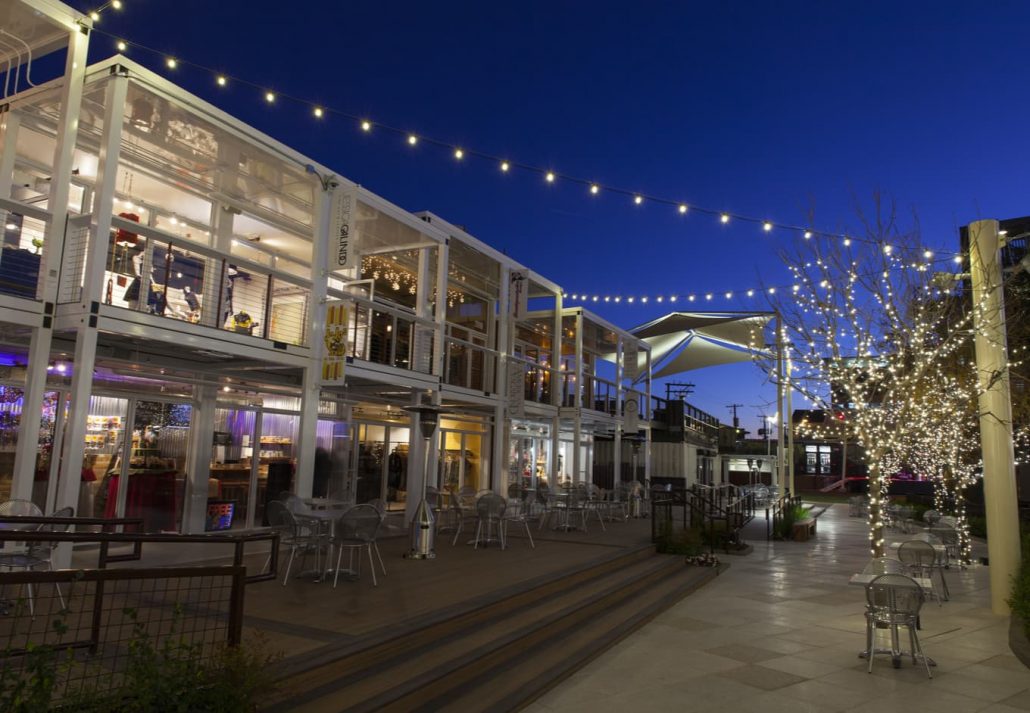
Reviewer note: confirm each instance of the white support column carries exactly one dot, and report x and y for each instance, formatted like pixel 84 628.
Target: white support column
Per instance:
pixel 202 428
pixel 53 246
pixel 8 150
pixel 86 333
pixel 1000 498
pixel 620 358
pixel 440 316
pixel 778 470
pixel 555 446
pixel 789 452
pixel 502 425
pixel 311 390
pixel 577 437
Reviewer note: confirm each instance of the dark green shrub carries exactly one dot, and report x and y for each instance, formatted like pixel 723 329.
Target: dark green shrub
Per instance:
pixel 1020 601
pixel 172 677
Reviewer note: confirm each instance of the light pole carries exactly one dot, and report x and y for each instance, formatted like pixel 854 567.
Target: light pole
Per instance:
pixel 423 525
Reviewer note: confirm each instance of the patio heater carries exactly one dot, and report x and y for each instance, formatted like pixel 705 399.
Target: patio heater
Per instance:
pixel 635 500
pixel 423 525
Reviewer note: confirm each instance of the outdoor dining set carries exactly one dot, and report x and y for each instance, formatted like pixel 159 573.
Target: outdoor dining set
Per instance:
pixel 897 588
pixel 328 528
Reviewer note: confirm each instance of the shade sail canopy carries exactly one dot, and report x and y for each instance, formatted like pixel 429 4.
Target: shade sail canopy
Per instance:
pixel 683 341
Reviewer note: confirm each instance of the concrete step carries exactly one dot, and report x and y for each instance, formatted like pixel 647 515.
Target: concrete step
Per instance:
pixel 439 672
pixel 529 674
pixel 368 662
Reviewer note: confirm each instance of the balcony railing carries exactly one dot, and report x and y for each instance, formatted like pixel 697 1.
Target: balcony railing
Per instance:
pixel 468 365
pixel 23 229
pixel 537 379
pixel 380 334
pixel 153 272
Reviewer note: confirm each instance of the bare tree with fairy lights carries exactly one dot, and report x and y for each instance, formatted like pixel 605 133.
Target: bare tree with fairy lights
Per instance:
pixel 866 330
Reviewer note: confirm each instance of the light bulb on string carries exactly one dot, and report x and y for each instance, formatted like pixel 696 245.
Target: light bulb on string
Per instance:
pixel 412 139
pixel 594 188
pixel 767 226
pixel 459 154
pixel 505 166
pixel 638 200
pixel 683 208
pixel 724 218
pixel 549 177
pixel 318 112
pixel 122 45
pixel 270 97
pixel 220 80
pixel 366 125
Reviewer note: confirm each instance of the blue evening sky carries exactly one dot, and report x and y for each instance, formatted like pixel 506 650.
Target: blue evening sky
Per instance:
pixel 764 109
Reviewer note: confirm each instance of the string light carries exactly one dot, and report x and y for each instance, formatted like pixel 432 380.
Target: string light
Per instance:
pixel 220 80
pixel 505 165
pixel 269 97
pixel 122 46
pixel 318 112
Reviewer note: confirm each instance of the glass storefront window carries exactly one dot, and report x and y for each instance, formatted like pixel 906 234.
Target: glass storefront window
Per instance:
pixel 461 461
pixel 230 477
pixel 157 458
pixel 529 463
pixel 11 400
pixel 371 460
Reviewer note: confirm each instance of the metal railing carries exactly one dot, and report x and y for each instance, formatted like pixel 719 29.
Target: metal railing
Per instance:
pixel 468 365
pixel 380 334
pixel 148 270
pixel 80 633
pixel 775 512
pixel 536 377
pixel 22 231
pixel 719 513
pixel 137 539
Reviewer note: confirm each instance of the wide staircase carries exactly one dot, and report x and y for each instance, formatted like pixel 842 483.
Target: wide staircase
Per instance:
pixel 496 654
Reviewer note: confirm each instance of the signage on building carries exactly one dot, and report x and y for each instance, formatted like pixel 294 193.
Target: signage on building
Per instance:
pixel 631 413
pixel 516 389
pixel 335 356
pixel 518 293
pixel 341 219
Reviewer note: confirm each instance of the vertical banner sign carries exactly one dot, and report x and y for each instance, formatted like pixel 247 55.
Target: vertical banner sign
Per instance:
pixel 341 218
pixel 631 404
pixel 516 388
pixel 518 293
pixel 335 356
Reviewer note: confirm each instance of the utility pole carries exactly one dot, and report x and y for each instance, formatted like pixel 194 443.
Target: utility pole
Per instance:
pixel 733 408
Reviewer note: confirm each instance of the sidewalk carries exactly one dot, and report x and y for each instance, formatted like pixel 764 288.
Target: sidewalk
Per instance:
pixel 781 631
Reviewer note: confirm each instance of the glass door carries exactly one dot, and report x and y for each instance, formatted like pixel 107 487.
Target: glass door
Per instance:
pixel 155 455
pixel 371 461
pixel 397 467
pixel 461 461
pixel 232 471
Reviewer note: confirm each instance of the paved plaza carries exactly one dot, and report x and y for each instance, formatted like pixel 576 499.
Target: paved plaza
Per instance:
pixel 781 629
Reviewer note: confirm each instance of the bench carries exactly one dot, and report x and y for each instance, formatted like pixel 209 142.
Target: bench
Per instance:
pixel 804 529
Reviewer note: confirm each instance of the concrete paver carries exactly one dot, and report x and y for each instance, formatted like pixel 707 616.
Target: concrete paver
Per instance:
pixel 780 630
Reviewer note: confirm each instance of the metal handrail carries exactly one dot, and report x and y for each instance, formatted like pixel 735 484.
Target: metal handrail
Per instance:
pixel 234 627
pixel 137 539
pixel 25 209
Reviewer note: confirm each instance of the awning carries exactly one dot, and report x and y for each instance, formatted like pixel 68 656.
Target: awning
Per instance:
pixel 683 341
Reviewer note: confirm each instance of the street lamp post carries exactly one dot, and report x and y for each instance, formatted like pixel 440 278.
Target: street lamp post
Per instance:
pixel 423 525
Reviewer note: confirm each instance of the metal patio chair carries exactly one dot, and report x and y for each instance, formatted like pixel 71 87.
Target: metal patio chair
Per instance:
pixel 921 560
pixel 490 508
pixel 38 553
pixel 356 530
pixel 893 601
pixel 519 512
pixel 297 532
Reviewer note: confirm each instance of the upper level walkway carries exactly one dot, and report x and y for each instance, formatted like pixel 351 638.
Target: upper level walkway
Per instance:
pixel 781 631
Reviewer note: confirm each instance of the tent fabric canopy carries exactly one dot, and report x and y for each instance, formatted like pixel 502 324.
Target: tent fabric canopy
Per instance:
pixel 683 341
